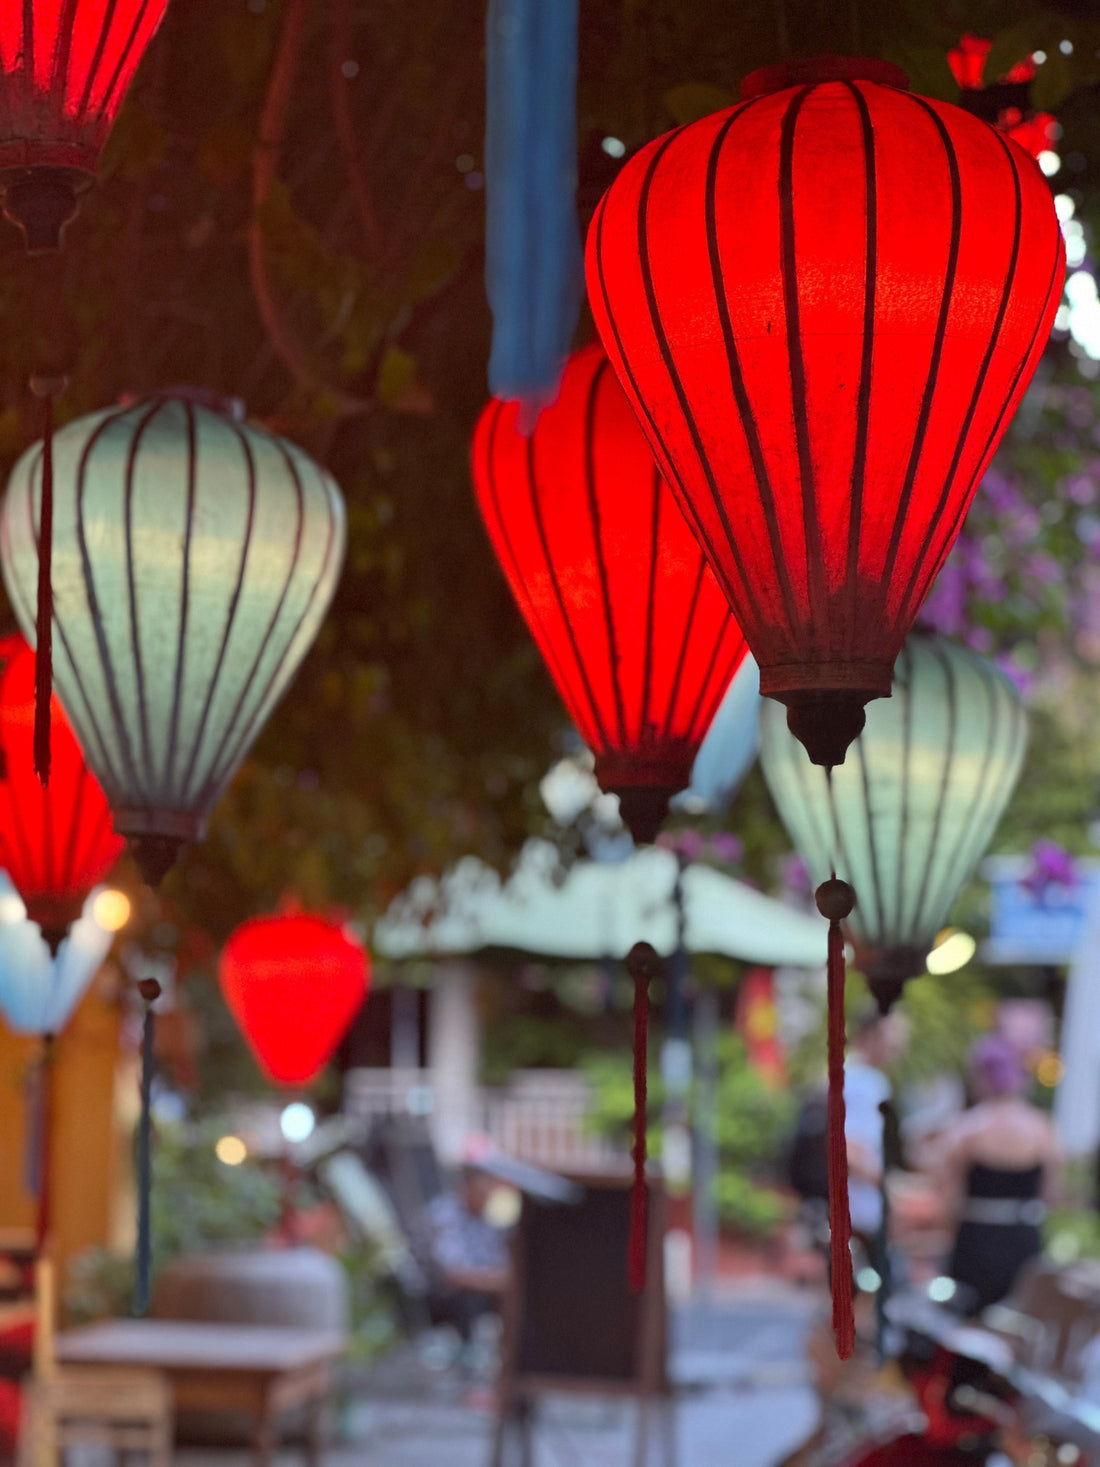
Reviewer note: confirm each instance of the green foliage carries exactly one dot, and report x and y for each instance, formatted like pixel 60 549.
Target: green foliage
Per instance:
pixel 945 1014
pixel 200 1203
pixel 750 1125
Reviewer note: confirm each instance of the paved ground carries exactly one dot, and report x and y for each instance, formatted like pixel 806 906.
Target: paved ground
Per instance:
pixel 742 1399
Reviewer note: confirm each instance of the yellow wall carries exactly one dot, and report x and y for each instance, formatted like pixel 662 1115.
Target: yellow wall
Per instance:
pixel 85 1159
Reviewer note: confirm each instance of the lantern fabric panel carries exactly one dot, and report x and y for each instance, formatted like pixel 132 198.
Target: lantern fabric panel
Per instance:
pixel 39 991
pixel 608 576
pixel 909 814
pixel 824 305
pixel 67 65
pixel 56 841
pixel 729 750
pixel 293 982
pixel 194 558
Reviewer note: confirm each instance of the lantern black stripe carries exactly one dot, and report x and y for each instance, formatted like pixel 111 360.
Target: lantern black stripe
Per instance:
pixel 219 764
pixel 842 858
pixel 705 716
pixel 674 376
pixel 547 646
pixel 693 723
pixel 148 757
pixel 597 532
pixel 801 769
pixel 816 589
pixel 740 392
pixel 97 55
pixel 185 598
pixel 73 853
pixel 948 755
pixel 540 526
pixel 685 643
pixel 934 567
pixel 975 397
pixel 875 923
pixel 938 343
pixel 198 735
pixel 90 723
pixel 985 786
pixel 667 466
pixel 863 399
pixel 62 48
pixel 903 691
pixel 124 57
pixel 262 708
pixel 651 592
pixel 120 730
pixel 28 38
pixel 17 832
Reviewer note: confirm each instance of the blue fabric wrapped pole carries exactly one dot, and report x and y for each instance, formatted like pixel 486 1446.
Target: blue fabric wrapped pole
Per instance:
pixel 533 263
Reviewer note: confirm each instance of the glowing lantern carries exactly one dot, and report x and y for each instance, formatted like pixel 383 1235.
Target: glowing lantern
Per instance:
pixel 912 809
pixel 293 982
pixel 824 305
pixel 57 841
pixel 630 621
pixel 194 558
pixel 66 66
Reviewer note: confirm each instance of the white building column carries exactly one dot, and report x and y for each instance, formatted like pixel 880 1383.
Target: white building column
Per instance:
pixel 453 1055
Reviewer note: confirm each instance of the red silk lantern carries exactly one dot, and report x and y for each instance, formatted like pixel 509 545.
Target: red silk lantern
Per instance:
pixel 824 305
pixel 66 66
pixel 56 841
pixel 632 624
pixel 293 982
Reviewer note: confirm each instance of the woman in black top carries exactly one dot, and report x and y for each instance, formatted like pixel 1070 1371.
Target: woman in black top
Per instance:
pixel 998 1162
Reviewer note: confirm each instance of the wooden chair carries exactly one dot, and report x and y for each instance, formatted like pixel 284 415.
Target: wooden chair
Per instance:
pixel 571 1324
pixel 126 1410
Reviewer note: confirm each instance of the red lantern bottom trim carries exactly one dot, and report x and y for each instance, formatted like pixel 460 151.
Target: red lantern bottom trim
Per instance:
pixel 873 679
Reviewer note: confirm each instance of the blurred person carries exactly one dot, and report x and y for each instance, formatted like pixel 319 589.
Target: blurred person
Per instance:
pixel 998 1162
pixel 879 1042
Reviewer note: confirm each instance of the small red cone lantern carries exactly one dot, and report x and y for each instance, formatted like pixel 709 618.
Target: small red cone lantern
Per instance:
pixel 824 305
pixel 293 982
pixel 65 66
pixel 56 841
pixel 630 621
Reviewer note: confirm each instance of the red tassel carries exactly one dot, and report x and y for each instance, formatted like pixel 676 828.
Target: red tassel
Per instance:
pixel 641 964
pixel 46 388
pixel 834 901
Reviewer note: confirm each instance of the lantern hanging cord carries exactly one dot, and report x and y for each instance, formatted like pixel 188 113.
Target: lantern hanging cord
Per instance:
pixel 46 388
pixel 43 1142
pixel 149 989
pixel 835 900
pixel 641 963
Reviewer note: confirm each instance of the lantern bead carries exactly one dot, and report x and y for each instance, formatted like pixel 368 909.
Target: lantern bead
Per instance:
pixel 835 899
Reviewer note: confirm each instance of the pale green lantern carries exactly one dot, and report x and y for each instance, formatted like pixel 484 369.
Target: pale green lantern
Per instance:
pixel 910 812
pixel 194 557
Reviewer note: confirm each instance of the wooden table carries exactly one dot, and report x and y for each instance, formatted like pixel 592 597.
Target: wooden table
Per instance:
pixel 259 1369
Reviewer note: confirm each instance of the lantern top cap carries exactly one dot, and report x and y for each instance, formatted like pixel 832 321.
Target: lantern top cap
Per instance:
pixel 811 71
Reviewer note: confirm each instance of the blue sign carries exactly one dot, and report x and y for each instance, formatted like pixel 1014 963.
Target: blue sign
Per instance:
pixel 1036 925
